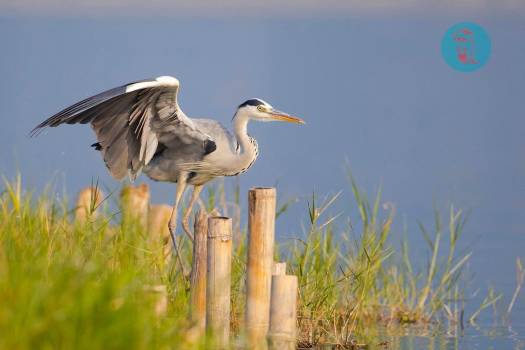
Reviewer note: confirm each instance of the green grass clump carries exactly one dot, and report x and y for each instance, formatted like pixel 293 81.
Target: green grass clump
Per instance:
pixel 355 285
pixel 72 286
pixel 96 284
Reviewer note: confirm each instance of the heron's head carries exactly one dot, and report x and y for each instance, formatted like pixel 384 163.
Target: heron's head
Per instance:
pixel 260 110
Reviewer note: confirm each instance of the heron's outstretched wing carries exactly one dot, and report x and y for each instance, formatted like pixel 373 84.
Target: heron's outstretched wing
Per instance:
pixel 131 120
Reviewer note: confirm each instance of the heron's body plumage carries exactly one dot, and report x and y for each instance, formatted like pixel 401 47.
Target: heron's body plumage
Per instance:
pixel 224 160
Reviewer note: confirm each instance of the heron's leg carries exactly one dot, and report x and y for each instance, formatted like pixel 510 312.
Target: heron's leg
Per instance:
pixel 185 219
pixel 172 225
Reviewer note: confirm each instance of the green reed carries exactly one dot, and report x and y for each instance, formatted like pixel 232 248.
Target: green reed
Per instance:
pixel 94 285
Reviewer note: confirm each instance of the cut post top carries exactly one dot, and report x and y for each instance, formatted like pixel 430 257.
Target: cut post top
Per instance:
pixel 220 227
pixel 262 192
pixel 220 218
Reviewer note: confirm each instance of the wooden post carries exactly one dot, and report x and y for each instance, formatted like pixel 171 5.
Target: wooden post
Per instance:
pixel 160 293
pixel 283 313
pixel 135 203
pixel 279 268
pixel 89 199
pixel 158 219
pixel 198 271
pixel 218 280
pixel 261 231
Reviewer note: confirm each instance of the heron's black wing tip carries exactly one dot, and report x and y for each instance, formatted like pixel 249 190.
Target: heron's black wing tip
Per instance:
pixel 39 128
pixel 36 131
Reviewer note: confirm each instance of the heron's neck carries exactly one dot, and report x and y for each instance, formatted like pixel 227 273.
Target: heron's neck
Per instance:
pixel 248 149
pixel 247 144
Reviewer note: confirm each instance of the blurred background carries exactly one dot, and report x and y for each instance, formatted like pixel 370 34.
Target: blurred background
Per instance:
pixel 368 77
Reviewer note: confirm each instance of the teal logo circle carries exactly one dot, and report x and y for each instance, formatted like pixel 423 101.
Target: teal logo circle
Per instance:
pixel 466 47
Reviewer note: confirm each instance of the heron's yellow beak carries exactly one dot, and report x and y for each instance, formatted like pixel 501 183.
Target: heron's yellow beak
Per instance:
pixel 285 117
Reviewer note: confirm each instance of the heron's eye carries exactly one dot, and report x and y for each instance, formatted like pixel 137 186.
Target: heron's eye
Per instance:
pixel 260 108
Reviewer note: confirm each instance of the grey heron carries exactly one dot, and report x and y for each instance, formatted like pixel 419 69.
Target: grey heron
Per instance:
pixel 141 128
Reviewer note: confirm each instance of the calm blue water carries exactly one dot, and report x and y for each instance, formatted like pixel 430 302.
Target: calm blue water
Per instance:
pixel 375 93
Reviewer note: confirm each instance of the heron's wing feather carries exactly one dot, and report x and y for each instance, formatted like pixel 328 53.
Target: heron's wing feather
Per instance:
pixel 217 163
pixel 131 120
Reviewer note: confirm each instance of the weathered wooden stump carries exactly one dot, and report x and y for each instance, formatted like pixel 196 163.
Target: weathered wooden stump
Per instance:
pixel 283 312
pixel 261 233
pixel 134 202
pixel 218 281
pixel 88 201
pixel 198 271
